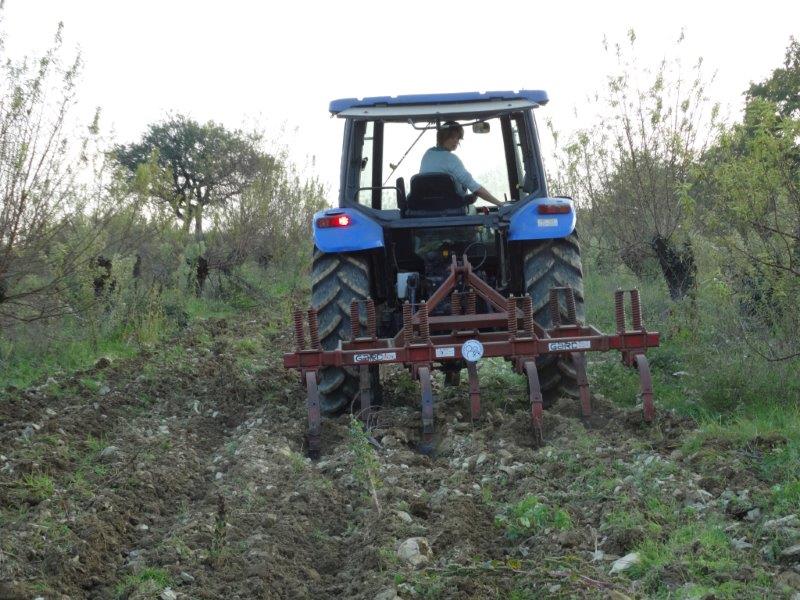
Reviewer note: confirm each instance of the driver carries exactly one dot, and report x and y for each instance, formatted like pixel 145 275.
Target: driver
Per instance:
pixel 440 159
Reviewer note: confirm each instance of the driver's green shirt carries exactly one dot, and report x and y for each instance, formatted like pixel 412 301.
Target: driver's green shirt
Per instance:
pixel 441 160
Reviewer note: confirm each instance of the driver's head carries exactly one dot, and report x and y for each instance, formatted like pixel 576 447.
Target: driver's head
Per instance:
pixel 449 134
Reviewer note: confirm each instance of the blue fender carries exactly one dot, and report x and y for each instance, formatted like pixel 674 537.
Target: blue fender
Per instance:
pixel 528 224
pixel 361 234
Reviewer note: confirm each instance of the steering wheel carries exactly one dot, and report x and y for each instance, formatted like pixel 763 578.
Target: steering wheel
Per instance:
pixel 485 253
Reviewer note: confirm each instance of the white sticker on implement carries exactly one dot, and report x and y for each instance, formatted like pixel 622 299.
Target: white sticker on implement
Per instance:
pixel 449 352
pixel 374 357
pixel 568 346
pixel 547 222
pixel 472 350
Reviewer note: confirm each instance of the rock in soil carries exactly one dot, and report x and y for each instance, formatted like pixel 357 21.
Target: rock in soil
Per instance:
pixel 415 552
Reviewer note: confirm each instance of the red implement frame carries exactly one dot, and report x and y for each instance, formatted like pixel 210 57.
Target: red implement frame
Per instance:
pixel 513 334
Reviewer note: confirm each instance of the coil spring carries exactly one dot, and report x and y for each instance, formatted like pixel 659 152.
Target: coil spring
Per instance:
pixel 408 330
pixel 424 327
pixel 313 328
pixel 572 313
pixel 619 310
pixel 372 324
pixel 299 336
pixel 455 303
pixel 527 314
pixel 511 308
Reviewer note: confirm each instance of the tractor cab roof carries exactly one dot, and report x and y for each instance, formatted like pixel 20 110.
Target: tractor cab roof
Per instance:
pixel 421 107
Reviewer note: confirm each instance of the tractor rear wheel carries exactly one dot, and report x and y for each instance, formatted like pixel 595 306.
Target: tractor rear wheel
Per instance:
pixel 548 264
pixel 337 280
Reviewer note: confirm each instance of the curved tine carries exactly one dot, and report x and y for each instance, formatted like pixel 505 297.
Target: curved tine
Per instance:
pixel 537 406
pixel 365 394
pixel 579 360
pixel 314 420
pixel 424 375
pixel 646 381
pixel 474 391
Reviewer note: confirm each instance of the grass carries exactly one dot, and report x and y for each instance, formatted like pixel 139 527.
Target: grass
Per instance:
pixel 530 515
pixel 130 583
pixel 39 485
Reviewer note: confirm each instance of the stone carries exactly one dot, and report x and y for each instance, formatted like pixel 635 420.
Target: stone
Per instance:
pixel 741 544
pixel 168 594
pixel 482 458
pixel 163 430
pixel 415 552
pixel 791 551
pixel 387 594
pixel 186 577
pixel 782 523
pixel 104 390
pixel 403 516
pixel 109 453
pixel 753 515
pixel 569 539
pixel 625 563
pixel 790 578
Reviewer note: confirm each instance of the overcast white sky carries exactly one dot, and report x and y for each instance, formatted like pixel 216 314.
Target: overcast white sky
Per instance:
pixel 240 62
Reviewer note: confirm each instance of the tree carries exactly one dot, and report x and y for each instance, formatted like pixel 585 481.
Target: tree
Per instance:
pixel 196 166
pixel 631 168
pixel 44 237
pixel 751 180
pixel 782 88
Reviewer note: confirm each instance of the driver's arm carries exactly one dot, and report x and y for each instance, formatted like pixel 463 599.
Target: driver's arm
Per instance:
pixel 483 193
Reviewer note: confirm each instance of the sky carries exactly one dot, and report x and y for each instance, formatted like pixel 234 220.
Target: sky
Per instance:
pixel 276 66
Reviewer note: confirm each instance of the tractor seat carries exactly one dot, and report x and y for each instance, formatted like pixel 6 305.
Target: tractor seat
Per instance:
pixel 434 195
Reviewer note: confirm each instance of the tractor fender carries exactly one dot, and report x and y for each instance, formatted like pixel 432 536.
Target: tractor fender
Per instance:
pixel 531 223
pixel 360 232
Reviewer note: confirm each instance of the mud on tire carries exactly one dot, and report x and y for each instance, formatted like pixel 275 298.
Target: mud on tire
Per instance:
pixel 337 280
pixel 548 264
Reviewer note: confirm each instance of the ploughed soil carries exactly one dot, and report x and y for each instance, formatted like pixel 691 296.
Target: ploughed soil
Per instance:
pixel 182 474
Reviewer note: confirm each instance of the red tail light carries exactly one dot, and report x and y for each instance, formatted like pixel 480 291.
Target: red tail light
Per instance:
pixel 334 221
pixel 554 209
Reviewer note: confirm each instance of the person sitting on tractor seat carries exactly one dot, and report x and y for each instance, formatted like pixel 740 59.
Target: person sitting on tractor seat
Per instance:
pixel 440 159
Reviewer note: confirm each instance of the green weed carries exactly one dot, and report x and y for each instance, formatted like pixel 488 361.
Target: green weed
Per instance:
pixel 131 583
pixel 365 464
pixel 530 515
pixel 39 485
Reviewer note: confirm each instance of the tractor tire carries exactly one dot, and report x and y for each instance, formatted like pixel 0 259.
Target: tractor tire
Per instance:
pixel 548 264
pixel 336 280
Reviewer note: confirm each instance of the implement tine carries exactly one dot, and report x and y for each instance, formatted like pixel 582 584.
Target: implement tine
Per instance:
pixel 314 419
pixel 648 408
pixel 424 375
pixel 474 391
pixel 537 405
pixel 579 360
pixel 365 392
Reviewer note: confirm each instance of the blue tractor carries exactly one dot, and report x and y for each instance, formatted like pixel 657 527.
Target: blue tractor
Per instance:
pixel 391 240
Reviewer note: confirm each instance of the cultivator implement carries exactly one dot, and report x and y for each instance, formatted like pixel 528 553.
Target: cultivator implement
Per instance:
pixel 507 329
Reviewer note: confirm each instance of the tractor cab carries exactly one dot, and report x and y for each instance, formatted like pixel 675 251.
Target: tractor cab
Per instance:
pixel 385 139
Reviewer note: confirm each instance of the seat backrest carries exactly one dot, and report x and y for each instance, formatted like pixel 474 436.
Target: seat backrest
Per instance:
pixel 434 194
